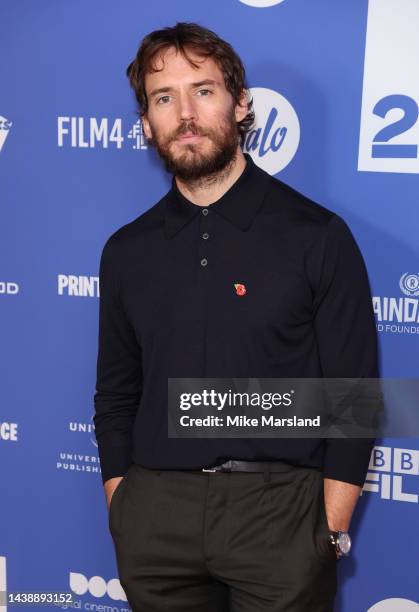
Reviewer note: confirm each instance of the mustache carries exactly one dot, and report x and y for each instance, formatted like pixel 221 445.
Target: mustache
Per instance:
pixel 188 127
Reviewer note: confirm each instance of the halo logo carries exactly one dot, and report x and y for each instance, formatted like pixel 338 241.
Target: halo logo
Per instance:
pixel 274 140
pixel 5 126
pixel 394 605
pixel 261 3
pixel 97 586
pixel 409 284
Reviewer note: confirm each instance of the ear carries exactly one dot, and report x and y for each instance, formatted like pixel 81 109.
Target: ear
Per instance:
pixel 146 126
pixel 241 109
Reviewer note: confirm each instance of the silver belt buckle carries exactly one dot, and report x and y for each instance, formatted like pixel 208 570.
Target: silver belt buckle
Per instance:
pixel 224 467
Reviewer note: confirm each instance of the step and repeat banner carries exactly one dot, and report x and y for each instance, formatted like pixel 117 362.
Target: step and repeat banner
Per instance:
pixel 336 93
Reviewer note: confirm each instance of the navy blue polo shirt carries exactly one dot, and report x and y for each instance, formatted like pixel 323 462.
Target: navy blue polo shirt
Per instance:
pixel 264 282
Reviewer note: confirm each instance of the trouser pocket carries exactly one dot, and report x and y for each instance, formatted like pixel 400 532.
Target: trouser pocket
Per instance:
pixel 113 507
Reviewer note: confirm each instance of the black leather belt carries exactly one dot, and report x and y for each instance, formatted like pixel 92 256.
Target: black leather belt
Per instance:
pixel 250 466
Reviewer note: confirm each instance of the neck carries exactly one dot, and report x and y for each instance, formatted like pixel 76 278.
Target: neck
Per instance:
pixel 209 189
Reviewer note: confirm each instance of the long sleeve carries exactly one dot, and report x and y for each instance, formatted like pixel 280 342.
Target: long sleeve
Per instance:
pixel 347 338
pixel 119 373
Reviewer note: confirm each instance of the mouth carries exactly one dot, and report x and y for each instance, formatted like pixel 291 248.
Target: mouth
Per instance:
pixel 188 137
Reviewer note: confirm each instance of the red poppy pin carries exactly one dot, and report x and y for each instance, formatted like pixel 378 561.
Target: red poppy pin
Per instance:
pixel 240 289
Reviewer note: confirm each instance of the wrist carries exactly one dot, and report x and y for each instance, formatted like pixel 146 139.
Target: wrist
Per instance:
pixel 341 541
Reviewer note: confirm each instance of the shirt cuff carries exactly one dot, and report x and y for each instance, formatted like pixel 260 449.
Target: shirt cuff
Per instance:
pixel 348 459
pixel 114 460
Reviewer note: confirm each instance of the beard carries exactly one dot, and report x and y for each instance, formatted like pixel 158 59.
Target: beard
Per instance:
pixel 192 164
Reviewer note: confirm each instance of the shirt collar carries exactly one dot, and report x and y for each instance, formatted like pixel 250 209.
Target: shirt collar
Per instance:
pixel 239 204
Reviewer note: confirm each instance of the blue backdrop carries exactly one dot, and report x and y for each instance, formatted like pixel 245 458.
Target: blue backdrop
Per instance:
pixel 336 90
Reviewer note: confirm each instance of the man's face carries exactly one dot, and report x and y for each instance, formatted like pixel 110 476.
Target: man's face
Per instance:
pixel 191 117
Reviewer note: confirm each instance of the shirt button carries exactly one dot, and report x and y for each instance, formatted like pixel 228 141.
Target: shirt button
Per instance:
pixel 204 262
pixel 205 211
pixel 205 235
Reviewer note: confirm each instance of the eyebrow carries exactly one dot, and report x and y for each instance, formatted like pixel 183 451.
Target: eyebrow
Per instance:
pixel 154 92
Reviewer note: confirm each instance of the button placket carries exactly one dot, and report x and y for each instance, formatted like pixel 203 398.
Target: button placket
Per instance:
pixel 204 227
pixel 205 257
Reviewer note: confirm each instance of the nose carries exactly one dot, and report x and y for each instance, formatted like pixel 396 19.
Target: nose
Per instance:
pixel 187 109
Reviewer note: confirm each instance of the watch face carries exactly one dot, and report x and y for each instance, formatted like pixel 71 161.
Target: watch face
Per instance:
pixel 344 542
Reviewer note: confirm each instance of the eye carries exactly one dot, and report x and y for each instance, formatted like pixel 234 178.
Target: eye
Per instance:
pixel 207 90
pixel 162 98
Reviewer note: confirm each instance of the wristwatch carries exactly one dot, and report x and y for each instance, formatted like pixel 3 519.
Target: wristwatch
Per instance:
pixel 341 540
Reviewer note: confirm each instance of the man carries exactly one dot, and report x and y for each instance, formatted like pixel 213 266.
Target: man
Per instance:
pixel 231 274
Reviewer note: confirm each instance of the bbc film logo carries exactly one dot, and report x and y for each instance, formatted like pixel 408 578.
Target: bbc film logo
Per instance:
pixel 393 474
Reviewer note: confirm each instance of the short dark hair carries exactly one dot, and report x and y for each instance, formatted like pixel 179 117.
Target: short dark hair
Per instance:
pixel 203 42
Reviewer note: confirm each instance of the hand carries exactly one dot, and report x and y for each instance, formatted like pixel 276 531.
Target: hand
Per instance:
pixel 110 486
